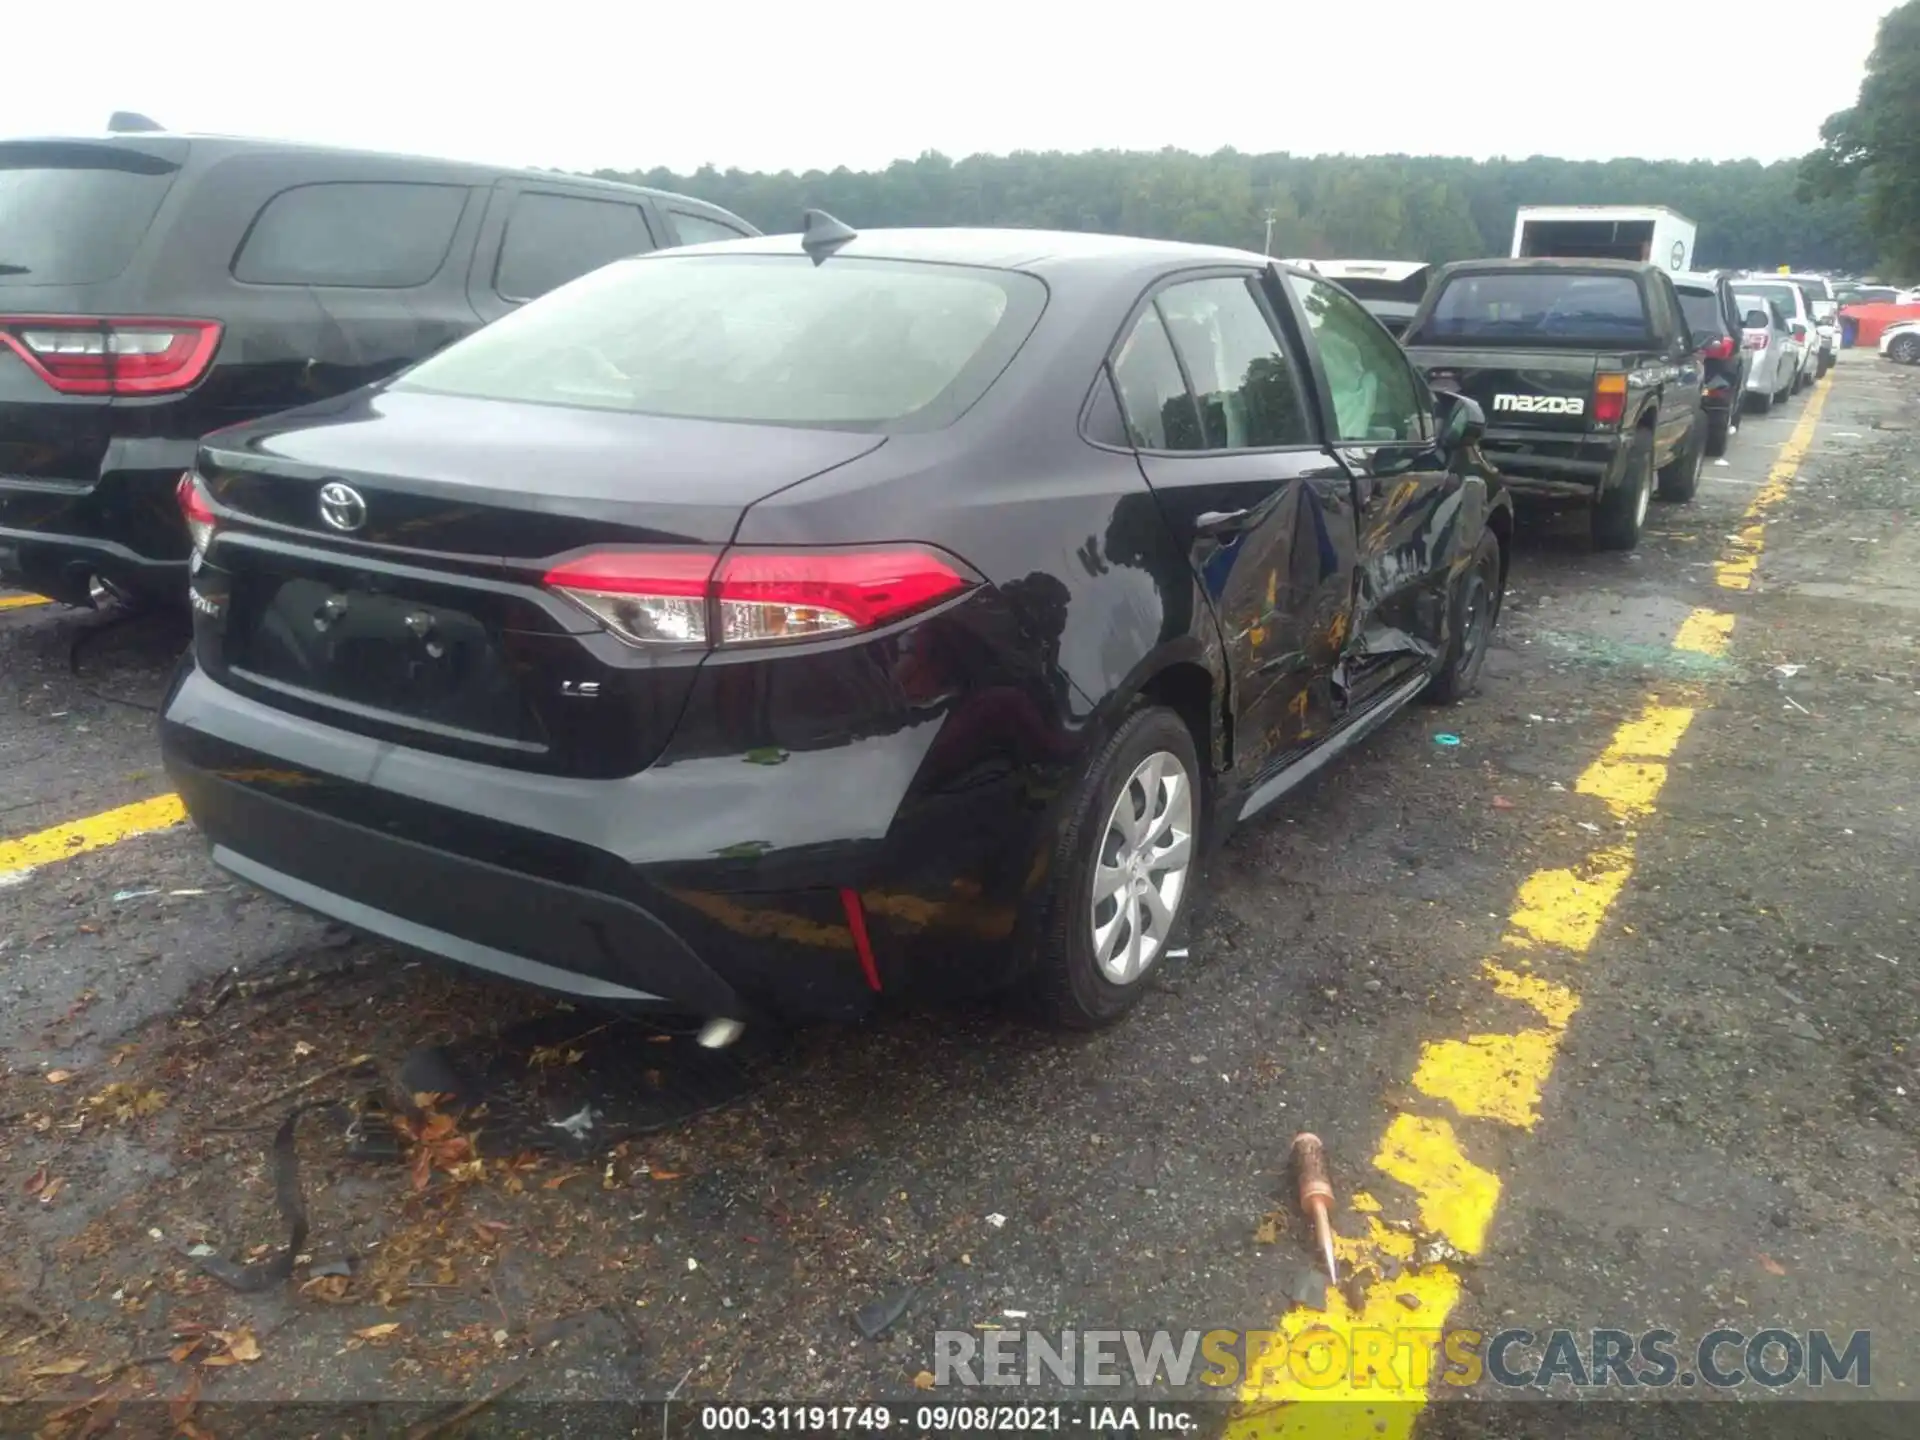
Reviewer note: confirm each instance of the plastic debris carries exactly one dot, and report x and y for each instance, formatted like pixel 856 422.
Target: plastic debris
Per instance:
pixel 878 1315
pixel 1720 462
pixel 1445 739
pixel 1500 802
pixel 996 1220
pixel 1309 1288
pixel 1787 672
pixel 10 878
pixel 120 897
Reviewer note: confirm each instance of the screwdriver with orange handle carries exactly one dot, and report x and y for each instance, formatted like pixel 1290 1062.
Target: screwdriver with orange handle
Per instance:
pixel 1316 1193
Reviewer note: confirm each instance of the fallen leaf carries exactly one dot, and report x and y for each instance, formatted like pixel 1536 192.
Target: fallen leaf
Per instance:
pixel 180 1409
pixel 1500 802
pixel 242 1346
pixel 923 1381
pixel 667 1174
pixel 36 1182
pixel 330 1288
pixel 1771 1265
pixel 73 1365
pixel 557 1181
pixel 54 1187
pixel 1267 1232
pixel 59 1077
pixel 377 1332
pixel 182 1352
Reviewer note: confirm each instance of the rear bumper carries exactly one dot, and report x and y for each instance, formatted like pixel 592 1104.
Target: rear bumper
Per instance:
pixel 124 526
pixel 1564 466
pixel 606 891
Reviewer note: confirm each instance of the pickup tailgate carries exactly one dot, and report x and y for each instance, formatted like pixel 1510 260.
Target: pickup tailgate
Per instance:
pixel 1535 390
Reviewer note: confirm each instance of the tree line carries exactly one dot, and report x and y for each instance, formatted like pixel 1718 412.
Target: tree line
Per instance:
pixel 1407 207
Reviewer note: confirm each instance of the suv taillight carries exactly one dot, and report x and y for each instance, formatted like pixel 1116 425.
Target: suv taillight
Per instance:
pixel 1719 349
pixel 754 597
pixel 1757 339
pixel 98 355
pixel 1609 399
pixel 197 511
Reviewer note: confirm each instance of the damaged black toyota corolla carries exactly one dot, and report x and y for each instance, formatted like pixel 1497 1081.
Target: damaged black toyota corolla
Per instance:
pixel 770 627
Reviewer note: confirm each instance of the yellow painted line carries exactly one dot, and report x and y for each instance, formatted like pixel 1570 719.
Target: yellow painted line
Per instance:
pixel 1742 556
pixel 96 832
pixel 21 602
pixel 1386 1355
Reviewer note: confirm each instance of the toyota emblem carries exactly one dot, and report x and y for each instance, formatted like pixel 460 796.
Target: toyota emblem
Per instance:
pixel 342 507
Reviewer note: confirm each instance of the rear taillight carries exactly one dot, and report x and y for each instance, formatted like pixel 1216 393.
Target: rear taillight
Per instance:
pixel 1720 349
pixel 756 597
pixel 197 510
pixel 1757 339
pixel 1609 399
pixel 96 355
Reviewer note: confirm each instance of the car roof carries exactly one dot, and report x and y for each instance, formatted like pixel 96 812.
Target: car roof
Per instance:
pixel 209 146
pixel 1575 264
pixel 1705 278
pixel 1392 270
pixel 1037 252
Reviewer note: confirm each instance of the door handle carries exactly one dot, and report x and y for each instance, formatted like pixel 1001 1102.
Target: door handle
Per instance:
pixel 1222 522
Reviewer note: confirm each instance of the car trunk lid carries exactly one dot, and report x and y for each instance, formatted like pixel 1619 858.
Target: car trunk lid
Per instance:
pixel 425 619
pixel 1519 389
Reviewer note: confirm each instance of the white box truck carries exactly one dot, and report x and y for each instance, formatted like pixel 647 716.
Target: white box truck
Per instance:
pixel 1652 233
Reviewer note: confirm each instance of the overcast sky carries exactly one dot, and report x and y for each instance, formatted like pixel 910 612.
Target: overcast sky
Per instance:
pixel 580 85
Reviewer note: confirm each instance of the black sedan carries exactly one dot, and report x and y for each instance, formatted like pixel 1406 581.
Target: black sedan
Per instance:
pixel 770 627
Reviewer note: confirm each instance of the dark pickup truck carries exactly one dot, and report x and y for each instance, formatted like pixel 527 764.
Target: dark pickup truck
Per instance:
pixel 1587 373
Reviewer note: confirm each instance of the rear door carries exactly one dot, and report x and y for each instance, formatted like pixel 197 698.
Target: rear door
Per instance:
pixel 1681 365
pixel 1220 411
pixel 537 236
pixel 1380 416
pixel 73 214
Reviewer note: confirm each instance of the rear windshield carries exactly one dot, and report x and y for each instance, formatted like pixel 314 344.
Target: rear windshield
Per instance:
pixel 1747 302
pixel 73 214
pixel 1816 288
pixel 1702 309
pixel 770 339
pixel 1782 295
pixel 1535 308
pixel 1409 291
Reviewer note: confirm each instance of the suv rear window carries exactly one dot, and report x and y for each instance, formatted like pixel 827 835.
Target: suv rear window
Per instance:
pixel 1702 309
pixel 376 235
pixel 74 213
pixel 552 239
pixel 1536 308
pixel 1781 295
pixel 769 339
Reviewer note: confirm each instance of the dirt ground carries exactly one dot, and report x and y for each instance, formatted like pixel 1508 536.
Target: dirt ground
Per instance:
pixel 1730 1135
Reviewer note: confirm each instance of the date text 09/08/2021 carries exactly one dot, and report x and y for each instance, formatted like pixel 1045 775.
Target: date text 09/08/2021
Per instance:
pixel 946 1418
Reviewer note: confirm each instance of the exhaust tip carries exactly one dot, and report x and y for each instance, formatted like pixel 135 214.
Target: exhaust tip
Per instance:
pixel 102 595
pixel 718 1034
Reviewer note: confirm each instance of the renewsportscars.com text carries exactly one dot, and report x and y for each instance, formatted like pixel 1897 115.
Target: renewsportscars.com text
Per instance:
pixel 1402 1358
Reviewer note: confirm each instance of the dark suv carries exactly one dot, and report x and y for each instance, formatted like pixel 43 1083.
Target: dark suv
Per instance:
pixel 155 287
pixel 1713 315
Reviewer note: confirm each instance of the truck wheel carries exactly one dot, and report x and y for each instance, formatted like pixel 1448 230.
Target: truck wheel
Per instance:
pixel 1905 349
pixel 1621 512
pixel 1681 476
pixel 1476 610
pixel 1123 871
pixel 1719 428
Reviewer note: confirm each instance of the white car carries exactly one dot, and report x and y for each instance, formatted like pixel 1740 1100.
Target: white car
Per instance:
pixel 1826 315
pixel 1901 342
pixel 1768 338
pixel 1793 303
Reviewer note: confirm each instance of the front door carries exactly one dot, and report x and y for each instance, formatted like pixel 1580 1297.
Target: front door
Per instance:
pixel 1223 421
pixel 1408 501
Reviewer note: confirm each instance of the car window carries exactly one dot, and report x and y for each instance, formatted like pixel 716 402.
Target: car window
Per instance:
pixel 865 345
pixel 698 229
pixel 1153 393
pixel 1702 309
pixel 368 234
pixel 1375 397
pixel 1787 297
pixel 1248 393
pixel 552 239
pixel 72 214
pixel 1536 308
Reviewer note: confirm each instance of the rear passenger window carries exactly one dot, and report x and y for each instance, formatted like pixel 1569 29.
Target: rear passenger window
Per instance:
pixel 1153 393
pixel 552 239
pixel 1248 394
pixel 699 229
pixel 378 235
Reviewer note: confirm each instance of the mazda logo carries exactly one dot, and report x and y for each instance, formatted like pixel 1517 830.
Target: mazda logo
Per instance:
pixel 342 507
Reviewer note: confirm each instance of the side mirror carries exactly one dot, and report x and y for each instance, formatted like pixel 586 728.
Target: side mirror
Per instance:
pixel 1757 320
pixel 1460 420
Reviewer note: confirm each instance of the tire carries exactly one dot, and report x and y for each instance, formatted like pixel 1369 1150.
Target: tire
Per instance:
pixel 1621 513
pixel 1905 349
pixel 1476 610
pixel 1762 401
pixel 1073 987
pixel 1826 364
pixel 1801 379
pixel 1719 431
pixel 1681 475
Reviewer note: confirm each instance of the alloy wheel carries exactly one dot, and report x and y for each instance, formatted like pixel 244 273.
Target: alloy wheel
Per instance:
pixel 1140 875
